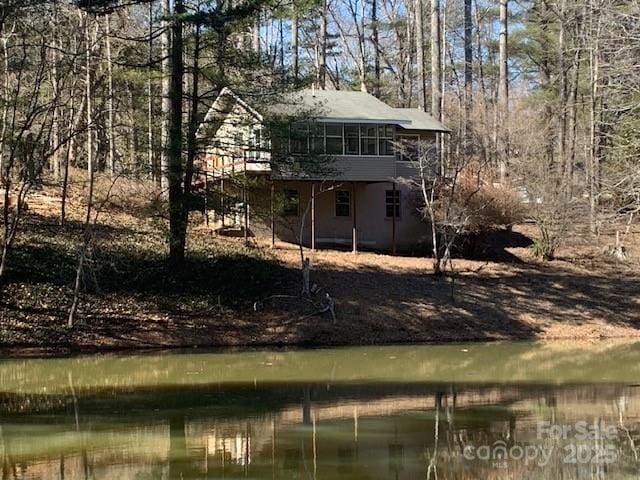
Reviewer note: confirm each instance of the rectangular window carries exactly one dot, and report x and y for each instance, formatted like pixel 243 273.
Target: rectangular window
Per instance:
pixel 368 140
pixel 343 139
pixel 300 138
pixel 343 203
pixel 316 131
pixel 385 140
pixel 291 203
pixel 392 200
pixel 334 138
pixel 352 139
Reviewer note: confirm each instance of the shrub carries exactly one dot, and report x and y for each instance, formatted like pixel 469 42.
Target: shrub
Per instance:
pixel 481 206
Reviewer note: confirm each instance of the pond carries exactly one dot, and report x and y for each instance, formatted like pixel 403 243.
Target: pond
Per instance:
pixel 500 410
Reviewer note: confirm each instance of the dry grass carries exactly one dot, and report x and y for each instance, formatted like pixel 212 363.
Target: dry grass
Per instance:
pixel 380 298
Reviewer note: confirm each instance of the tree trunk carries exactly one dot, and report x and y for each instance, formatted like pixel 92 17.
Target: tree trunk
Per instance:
pixel 594 151
pixel 150 97
pixel 6 91
pixel 177 224
pixel 166 102
pixel 111 158
pixel 436 69
pixel 422 88
pixel 294 44
pixel 322 48
pixel 562 92
pixel 55 124
pixel 503 92
pixel 90 126
pixel 376 48
pixel 192 144
pixel 468 74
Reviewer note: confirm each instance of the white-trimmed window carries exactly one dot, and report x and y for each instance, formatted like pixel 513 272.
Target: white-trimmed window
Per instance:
pixel 392 201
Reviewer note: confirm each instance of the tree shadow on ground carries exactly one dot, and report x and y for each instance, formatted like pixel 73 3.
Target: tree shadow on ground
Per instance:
pixel 140 301
pixel 519 303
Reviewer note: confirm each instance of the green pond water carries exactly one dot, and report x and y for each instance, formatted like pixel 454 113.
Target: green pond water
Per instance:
pixel 492 411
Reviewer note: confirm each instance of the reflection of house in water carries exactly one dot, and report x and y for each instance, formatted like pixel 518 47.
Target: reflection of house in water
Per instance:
pixel 349 432
pixel 234 449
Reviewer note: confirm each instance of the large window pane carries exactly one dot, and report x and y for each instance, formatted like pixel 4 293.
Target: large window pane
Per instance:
pixel 368 146
pixel 352 139
pixel 352 146
pixel 334 129
pixel 334 140
pixel 351 130
pixel 368 130
pixel 317 138
pixel 386 147
pixel 334 146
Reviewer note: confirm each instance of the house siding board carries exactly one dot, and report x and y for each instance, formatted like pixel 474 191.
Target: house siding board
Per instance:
pixel 237 125
pixel 349 168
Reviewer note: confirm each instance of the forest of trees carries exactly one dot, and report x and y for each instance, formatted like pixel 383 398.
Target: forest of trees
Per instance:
pixel 544 92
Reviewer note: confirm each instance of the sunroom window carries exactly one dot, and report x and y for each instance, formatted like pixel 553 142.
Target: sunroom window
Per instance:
pixel 385 140
pixel 342 139
pixel 334 137
pixel 368 139
pixel 352 139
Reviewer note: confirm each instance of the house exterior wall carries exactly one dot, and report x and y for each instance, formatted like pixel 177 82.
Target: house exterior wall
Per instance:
pixel 235 141
pixel 373 227
pixel 366 177
pixel 234 148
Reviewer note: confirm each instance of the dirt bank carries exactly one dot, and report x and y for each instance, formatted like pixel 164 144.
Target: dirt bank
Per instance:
pixel 133 301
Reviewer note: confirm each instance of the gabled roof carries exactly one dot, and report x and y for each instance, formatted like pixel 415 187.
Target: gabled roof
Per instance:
pixel 333 105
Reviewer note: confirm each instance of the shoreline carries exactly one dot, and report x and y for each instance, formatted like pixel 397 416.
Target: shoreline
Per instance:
pixel 60 351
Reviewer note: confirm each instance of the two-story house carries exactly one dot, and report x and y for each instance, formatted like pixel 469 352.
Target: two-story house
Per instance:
pixel 337 168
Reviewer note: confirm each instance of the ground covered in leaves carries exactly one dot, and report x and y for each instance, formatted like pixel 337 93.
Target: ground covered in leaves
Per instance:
pixel 230 295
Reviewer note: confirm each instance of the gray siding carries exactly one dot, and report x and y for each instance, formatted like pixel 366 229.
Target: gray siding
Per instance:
pixel 351 168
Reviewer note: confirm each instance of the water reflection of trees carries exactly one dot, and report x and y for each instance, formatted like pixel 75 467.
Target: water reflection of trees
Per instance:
pixel 316 431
